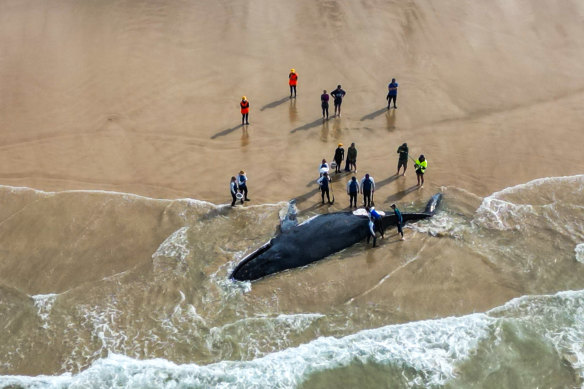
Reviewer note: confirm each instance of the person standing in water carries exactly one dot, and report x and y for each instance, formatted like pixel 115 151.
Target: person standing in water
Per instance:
pixel 292 81
pixel 338 95
pixel 403 158
pixel 244 110
pixel 352 191
pixel 242 181
pixel 399 221
pixel 421 165
pixel 324 104
pixel 392 93
pixel 339 157
pixel 367 189
pixel 233 187
pixel 351 158
pixel 324 181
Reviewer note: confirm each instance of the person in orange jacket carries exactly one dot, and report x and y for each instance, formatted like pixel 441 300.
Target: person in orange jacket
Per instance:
pixel 292 81
pixel 244 110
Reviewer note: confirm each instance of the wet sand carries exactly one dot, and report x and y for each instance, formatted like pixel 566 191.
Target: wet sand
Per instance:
pixel 143 98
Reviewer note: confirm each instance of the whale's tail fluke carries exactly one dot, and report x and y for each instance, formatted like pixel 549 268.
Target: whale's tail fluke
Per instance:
pixel 433 204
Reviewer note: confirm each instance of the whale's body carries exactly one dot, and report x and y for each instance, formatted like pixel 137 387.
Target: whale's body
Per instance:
pixel 315 239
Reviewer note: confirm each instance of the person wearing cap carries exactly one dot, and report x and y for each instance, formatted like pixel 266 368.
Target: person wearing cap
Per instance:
pixel 399 220
pixel 403 158
pixel 242 183
pixel 292 81
pixel 338 95
pixel 339 157
pixel 420 165
pixel 367 189
pixel 323 182
pixel 392 93
pixel 244 110
pixel 234 189
pixel 324 104
pixel 352 191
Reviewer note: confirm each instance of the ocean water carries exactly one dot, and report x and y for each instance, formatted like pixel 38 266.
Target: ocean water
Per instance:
pixel 138 296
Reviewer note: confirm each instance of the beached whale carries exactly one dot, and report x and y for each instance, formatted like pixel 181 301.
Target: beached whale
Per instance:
pixel 316 238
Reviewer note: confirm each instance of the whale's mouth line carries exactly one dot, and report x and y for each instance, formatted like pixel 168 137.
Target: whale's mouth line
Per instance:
pixel 249 258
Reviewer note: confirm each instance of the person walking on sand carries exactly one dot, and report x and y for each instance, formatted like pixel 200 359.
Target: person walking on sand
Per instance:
pixel 339 157
pixel 292 81
pixel 338 95
pixel 352 191
pixel 242 183
pixel 351 158
pixel 392 93
pixel 421 165
pixel 324 104
pixel 233 187
pixel 367 189
pixel 244 110
pixel 399 220
pixel 323 182
pixel 403 158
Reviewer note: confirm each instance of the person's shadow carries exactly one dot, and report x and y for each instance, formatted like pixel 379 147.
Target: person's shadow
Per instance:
pixel 401 194
pixel 307 126
pixel 373 115
pixel 226 132
pixel 274 104
pixel 388 180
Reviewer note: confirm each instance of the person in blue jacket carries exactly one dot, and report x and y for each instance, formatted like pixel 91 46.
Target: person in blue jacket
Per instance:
pixel 392 93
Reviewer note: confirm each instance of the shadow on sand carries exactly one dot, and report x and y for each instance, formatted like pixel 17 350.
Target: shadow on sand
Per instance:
pixel 274 104
pixel 373 115
pixel 401 194
pixel 388 180
pixel 307 126
pixel 226 132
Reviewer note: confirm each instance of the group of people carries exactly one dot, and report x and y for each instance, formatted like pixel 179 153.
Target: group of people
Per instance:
pixel 366 186
pixel 238 188
pixel 337 95
pixel 376 223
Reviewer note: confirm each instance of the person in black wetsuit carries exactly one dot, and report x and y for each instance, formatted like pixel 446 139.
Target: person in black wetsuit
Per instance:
pixel 400 221
pixel 338 95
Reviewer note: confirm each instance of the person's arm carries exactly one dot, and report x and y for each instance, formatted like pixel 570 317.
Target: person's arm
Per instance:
pixel 372 184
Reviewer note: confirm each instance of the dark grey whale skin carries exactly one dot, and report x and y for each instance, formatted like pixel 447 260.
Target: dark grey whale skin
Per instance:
pixel 316 239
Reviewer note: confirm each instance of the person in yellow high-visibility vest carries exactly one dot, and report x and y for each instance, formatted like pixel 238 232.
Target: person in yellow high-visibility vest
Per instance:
pixel 420 165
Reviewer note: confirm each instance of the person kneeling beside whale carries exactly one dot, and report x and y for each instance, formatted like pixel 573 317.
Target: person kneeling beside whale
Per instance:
pixel 375 224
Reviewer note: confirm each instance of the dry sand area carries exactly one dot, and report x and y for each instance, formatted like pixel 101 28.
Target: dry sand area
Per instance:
pixel 142 96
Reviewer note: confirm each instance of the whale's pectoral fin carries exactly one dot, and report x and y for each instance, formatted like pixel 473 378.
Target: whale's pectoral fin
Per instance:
pixel 291 219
